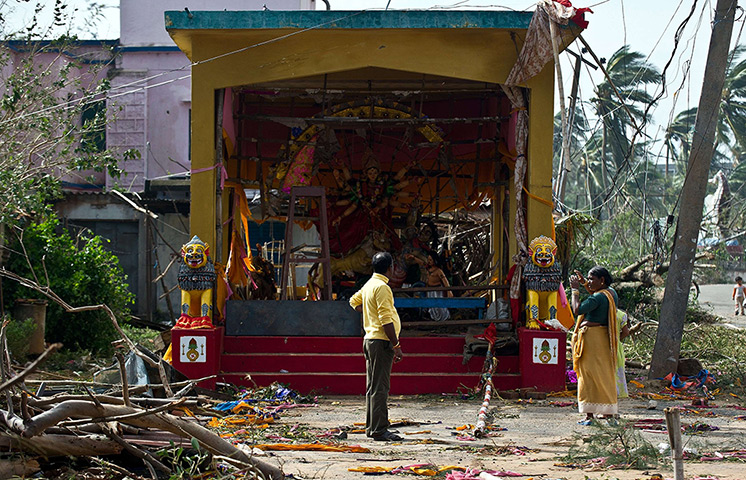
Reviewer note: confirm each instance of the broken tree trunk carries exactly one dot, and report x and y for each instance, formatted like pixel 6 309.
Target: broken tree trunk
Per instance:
pixel 643 272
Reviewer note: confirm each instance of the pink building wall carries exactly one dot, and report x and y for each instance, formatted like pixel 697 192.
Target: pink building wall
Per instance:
pixel 151 93
pixel 93 69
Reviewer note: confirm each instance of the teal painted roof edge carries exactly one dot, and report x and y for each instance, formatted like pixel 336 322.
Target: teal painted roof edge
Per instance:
pixel 340 19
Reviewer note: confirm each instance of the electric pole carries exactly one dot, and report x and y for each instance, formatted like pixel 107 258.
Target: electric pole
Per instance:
pixel 675 298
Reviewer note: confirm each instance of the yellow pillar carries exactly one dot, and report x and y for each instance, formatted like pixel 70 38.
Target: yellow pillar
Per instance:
pixel 540 138
pixel 203 213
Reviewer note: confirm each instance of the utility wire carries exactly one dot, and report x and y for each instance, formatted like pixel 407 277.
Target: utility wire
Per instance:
pixel 98 96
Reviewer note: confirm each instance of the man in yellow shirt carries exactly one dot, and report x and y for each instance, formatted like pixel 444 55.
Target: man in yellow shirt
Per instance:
pixel 380 345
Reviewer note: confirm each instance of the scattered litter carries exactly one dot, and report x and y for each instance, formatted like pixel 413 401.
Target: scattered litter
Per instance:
pixel 314 447
pixel 505 450
pixel 370 470
pixel 637 384
pixel 691 411
pixel 424 469
pixel 698 427
pixel 475 474
pixel 724 455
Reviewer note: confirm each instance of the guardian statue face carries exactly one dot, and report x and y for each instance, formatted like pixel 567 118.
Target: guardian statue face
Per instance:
pixel 542 251
pixel 195 253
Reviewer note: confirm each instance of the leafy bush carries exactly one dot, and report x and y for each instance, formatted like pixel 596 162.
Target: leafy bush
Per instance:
pixel 18 334
pixel 81 272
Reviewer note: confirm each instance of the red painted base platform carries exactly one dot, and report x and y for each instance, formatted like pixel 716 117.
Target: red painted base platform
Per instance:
pixel 335 365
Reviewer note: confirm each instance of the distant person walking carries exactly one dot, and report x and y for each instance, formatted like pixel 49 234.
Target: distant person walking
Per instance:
pixel 380 345
pixel 738 295
pixel 595 344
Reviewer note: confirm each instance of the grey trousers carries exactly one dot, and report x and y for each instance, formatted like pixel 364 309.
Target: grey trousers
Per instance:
pixel 379 357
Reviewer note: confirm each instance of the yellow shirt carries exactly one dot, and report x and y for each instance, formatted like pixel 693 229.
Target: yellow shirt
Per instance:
pixel 378 307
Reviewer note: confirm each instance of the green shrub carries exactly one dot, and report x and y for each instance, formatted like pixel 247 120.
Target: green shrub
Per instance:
pixel 81 272
pixel 18 334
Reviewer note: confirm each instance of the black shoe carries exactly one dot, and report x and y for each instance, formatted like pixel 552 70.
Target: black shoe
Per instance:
pixel 387 436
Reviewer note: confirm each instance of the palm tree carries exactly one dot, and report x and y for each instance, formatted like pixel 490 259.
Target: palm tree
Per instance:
pixel 731 127
pixel 630 73
pixel 678 138
pixel 578 138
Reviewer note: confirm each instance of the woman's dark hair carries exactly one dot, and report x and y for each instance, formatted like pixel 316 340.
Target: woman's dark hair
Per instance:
pixel 739 279
pixel 381 262
pixel 601 272
pixel 435 257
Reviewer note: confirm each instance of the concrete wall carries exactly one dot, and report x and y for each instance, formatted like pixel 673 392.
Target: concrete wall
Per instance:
pixel 151 88
pixel 142 20
pixel 91 71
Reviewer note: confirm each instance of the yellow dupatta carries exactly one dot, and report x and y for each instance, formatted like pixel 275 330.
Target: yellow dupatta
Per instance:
pixel 612 328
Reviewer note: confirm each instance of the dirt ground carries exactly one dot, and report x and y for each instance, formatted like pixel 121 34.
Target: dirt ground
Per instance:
pixel 535 438
pixel 547 430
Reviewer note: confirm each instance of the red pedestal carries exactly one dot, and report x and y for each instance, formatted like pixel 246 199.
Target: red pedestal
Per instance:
pixel 196 353
pixel 542 359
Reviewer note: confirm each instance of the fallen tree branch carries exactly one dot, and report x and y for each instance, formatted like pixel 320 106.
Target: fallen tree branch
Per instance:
pixel 53 445
pixel 163 421
pixel 123 375
pixel 142 402
pixel 117 468
pixel 146 457
pixel 30 369
pixel 121 418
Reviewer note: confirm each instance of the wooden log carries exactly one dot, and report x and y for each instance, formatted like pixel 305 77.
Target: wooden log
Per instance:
pixel 139 401
pixel 673 425
pixel 61 445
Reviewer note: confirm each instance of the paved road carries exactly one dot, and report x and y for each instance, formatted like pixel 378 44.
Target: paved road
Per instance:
pixel 717 298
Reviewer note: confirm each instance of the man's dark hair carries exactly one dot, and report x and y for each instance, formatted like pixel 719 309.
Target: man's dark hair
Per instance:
pixel 600 272
pixel 382 262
